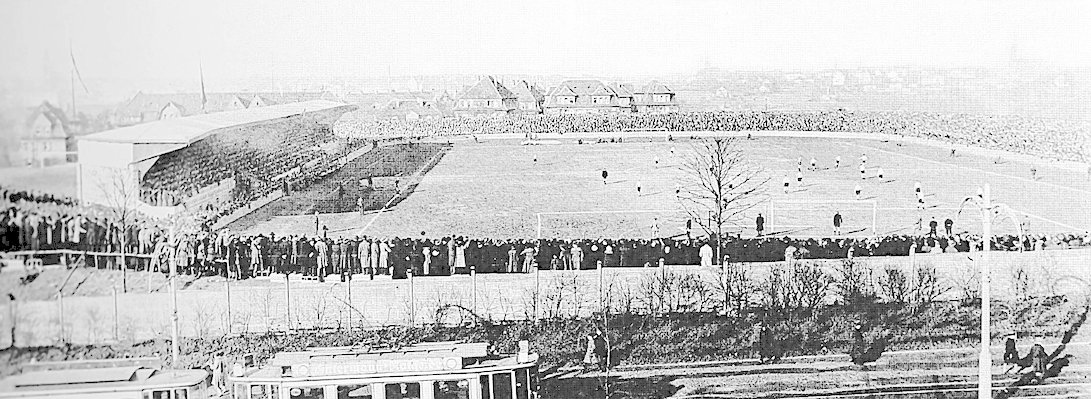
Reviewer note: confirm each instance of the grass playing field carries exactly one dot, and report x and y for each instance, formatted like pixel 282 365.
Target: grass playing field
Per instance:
pixel 502 189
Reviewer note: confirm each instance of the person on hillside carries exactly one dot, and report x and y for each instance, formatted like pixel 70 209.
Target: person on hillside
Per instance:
pixel 863 172
pixel 322 251
pixel 799 177
pixel 863 159
pixel 528 258
pixel 759 223
pixel 837 223
pixel 879 173
pixel 577 257
pixel 706 255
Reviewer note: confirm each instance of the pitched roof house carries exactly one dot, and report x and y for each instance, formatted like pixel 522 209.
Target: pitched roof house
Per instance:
pixel 487 97
pixel 655 98
pixel 580 96
pixel 530 99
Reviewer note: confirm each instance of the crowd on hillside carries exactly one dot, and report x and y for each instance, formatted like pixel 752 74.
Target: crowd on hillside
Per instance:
pixel 252 156
pixel 1063 140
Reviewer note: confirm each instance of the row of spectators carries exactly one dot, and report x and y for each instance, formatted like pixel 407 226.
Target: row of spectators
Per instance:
pixel 244 256
pixel 16 195
pixel 1056 139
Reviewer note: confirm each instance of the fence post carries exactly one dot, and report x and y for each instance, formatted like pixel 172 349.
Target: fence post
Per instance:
pixel 14 313
pixel 602 305
pixel 60 306
pixel 349 286
pixel 473 286
pixel 537 291
pixel 116 336
pixel 287 303
pixel 412 299
pixel 227 290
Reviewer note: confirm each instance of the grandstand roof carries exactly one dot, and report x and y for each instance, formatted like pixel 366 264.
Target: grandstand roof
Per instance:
pixel 190 129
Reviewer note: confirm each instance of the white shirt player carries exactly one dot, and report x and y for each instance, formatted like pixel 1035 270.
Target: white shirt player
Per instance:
pixel 837 162
pixel 917 187
pixel 879 173
pixel 814 163
pixel 799 176
pixel 863 159
pixel 858 189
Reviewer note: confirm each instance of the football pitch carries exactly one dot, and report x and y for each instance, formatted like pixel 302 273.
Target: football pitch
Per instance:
pixel 502 188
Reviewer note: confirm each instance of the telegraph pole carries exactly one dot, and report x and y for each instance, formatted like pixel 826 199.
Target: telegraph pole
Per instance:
pixel 173 300
pixel 984 365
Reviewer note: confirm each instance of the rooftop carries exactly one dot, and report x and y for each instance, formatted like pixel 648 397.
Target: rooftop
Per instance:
pixel 190 129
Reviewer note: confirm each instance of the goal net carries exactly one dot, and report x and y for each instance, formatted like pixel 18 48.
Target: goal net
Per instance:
pixel 815 218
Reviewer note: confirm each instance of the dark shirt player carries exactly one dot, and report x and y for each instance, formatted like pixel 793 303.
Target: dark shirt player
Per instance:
pixel 760 222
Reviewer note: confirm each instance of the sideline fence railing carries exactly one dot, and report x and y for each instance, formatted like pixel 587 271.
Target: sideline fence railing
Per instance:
pixel 285 304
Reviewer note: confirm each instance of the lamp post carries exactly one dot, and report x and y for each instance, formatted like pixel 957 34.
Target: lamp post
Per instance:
pixel 987 208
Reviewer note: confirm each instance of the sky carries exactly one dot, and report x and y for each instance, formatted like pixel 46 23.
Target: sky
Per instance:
pixel 141 39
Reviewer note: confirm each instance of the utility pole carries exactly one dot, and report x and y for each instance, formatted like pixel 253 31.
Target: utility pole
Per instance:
pixel 984 365
pixel 173 302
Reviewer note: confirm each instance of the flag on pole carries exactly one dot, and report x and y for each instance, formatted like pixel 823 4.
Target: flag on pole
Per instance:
pixel 204 97
pixel 75 68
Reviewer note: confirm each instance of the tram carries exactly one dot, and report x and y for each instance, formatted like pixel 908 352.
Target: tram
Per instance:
pixel 104 379
pixel 441 370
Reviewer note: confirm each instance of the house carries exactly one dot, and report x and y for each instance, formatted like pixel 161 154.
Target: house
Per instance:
pixel 655 98
pixel 486 98
pixel 530 99
pixel 45 137
pixel 584 96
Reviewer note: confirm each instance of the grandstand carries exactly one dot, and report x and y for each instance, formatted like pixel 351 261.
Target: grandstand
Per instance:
pixel 208 160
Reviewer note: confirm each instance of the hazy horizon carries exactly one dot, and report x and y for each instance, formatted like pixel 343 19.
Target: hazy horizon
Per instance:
pixel 131 39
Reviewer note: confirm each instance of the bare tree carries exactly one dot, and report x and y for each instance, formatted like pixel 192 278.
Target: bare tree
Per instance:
pixel 120 189
pixel 719 184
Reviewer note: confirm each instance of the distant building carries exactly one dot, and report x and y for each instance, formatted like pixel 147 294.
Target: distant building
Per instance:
pixel 486 98
pixel 584 96
pixel 655 98
pixel 530 99
pixel 45 138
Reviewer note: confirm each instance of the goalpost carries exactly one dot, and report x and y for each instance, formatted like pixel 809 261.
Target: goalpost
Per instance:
pixel 817 215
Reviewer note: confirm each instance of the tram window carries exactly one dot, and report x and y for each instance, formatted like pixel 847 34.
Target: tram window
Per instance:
pixel 404 390
pixel 501 386
pixel 535 382
pixel 180 393
pixel 453 389
pixel 307 393
pixel 258 392
pixel 240 391
pixel 354 391
pixel 485 392
pixel 522 385
pixel 160 394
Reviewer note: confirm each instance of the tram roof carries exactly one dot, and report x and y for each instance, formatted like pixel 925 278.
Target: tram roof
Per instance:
pixel 109 378
pixel 419 359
